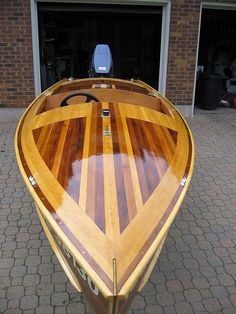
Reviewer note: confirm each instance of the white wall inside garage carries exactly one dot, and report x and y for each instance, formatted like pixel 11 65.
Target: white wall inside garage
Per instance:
pixel 166 4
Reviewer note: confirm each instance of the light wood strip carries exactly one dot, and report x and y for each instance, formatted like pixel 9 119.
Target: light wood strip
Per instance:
pixel 110 197
pixel 60 114
pixel 151 115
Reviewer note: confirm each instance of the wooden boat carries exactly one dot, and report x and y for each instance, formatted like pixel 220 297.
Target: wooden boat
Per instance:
pixel 108 177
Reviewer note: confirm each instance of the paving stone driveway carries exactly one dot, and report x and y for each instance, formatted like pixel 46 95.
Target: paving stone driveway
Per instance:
pixel 196 272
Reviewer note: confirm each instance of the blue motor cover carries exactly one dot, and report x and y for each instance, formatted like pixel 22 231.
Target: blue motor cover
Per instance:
pixel 102 64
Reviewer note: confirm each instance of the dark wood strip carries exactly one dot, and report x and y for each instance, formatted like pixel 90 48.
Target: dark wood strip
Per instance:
pixel 164 142
pixel 138 156
pixel 91 180
pixel 168 139
pixel 36 133
pixel 50 152
pixel 43 137
pixel 74 181
pixel 70 160
pixel 150 156
pixel 119 170
pixel 60 148
pixel 157 150
pixel 99 175
pixel 63 169
pixel 41 108
pixel 144 159
pixel 174 135
pixel 88 85
pixel 69 151
pixel 58 90
pixel 164 109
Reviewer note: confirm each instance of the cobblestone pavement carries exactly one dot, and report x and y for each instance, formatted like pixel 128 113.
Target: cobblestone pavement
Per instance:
pixel 196 271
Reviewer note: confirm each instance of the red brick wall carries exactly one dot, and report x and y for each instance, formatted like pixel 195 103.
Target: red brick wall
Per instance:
pixel 182 50
pixel 16 64
pixel 183 42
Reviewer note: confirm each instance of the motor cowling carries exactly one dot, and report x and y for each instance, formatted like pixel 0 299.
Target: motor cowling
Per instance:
pixel 102 64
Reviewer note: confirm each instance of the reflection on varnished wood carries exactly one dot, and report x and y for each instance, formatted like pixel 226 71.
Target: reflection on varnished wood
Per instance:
pixel 109 187
pixel 61 146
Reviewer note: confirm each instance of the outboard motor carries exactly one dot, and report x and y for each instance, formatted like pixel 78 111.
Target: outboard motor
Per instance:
pixel 102 64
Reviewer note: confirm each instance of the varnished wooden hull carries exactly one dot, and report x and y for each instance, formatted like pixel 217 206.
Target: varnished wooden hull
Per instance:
pixel 106 188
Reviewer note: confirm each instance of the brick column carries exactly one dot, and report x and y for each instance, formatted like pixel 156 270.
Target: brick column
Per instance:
pixel 16 61
pixel 182 50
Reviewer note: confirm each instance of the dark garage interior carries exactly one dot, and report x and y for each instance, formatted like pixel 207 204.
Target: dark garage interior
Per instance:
pixel 68 34
pixel 216 85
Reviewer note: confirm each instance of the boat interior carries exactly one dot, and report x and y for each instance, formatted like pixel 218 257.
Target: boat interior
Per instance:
pixel 105 90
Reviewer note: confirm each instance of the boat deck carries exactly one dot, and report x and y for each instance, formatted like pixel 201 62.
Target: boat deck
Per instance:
pixel 109 187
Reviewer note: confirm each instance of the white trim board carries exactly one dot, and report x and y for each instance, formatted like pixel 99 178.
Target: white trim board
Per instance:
pixel 166 4
pixel 196 63
pixel 125 2
pixel 35 46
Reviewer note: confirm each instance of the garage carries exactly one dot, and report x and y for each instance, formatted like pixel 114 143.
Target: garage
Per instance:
pixel 68 34
pixel 216 78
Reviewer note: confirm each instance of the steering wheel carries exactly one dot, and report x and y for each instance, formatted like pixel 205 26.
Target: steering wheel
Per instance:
pixel 88 96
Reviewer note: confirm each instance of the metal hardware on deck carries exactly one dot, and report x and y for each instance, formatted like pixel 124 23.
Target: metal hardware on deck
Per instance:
pixel 114 277
pixel 152 94
pixel 71 79
pixel 115 300
pixel 183 182
pixel 105 113
pixel 107 132
pixel 32 181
